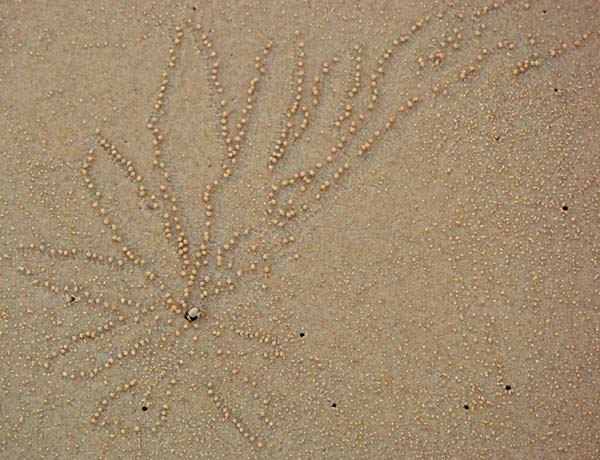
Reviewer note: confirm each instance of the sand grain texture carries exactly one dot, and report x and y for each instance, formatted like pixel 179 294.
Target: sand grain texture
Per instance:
pixel 384 214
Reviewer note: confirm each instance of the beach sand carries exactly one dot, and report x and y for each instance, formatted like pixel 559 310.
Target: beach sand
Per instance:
pixel 380 218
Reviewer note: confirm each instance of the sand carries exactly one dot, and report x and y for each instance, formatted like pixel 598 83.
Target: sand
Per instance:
pixel 380 218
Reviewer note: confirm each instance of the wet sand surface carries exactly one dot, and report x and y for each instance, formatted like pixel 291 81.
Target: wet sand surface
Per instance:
pixel 293 230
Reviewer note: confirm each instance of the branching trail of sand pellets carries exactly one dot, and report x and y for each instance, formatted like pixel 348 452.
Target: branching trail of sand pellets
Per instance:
pixel 96 334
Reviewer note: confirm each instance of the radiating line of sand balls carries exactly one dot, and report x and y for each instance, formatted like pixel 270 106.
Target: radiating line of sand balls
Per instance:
pixel 121 355
pixel 454 38
pixel 115 359
pixel 77 293
pixel 134 177
pixel 254 266
pixel 291 130
pixel 277 353
pixel 265 337
pixel 172 222
pixel 233 149
pixel 172 358
pixel 203 251
pixel 129 170
pixel 228 415
pixel 233 144
pixel 72 253
pixel 172 219
pixel 92 334
pixel 379 69
pixel 117 237
pixel 306 177
pixel 99 418
pixel 183 245
pixel 324 186
pixel 175 306
pixel 376 137
pixel 286 135
pixel 537 58
pixel 353 91
pixel 358 120
pixel 100 331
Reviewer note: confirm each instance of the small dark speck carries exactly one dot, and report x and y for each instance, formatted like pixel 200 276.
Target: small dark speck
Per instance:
pixel 466 406
pixel 497 138
pixel 194 8
pixel 508 388
pixel 144 408
pixel 565 208
pixel 302 334
pixel 72 299
pixel 334 405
